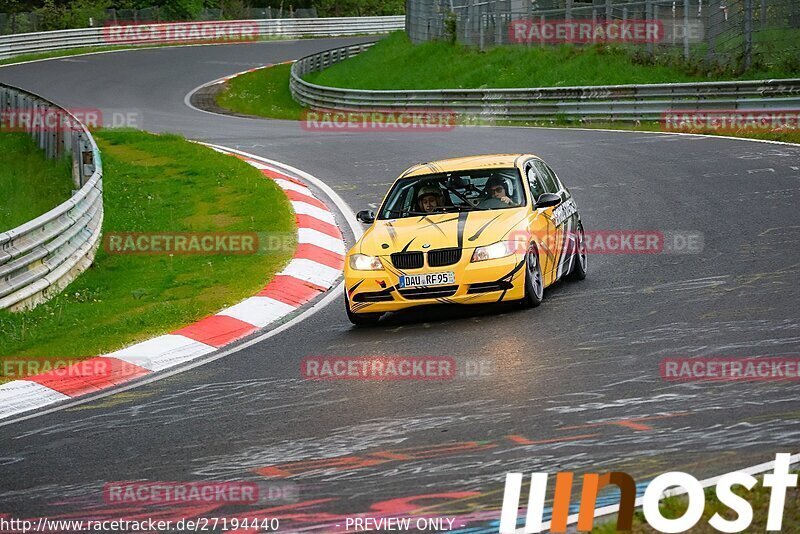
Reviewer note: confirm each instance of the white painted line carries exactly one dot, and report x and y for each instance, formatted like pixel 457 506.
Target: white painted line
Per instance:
pixel 258 165
pixel 22 395
pixel 286 185
pixel 314 237
pixel 313 272
pixel 163 352
pixel 258 311
pixel 304 208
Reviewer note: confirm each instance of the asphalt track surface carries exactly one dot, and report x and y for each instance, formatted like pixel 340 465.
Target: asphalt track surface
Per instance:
pixel 574 384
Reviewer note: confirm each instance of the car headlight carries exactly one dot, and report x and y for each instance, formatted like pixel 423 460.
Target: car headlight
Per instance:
pixel 501 249
pixel 362 262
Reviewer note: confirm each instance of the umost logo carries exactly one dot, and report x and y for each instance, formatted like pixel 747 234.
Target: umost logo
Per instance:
pixel 779 480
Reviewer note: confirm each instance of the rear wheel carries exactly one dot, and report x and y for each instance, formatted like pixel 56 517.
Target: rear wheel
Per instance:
pixel 579 264
pixel 360 319
pixel 534 283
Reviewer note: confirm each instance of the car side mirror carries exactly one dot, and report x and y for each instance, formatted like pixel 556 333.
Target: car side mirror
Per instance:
pixel 366 216
pixel 546 200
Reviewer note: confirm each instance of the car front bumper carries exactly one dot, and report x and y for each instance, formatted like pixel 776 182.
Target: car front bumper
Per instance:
pixel 501 279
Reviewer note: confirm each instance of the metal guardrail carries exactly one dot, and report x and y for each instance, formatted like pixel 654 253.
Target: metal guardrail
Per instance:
pixel 599 103
pixel 40 257
pixel 31 43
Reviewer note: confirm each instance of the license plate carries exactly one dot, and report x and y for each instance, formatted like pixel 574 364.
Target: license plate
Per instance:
pixel 427 279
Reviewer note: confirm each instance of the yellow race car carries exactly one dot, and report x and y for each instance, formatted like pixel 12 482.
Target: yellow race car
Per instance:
pixel 467 230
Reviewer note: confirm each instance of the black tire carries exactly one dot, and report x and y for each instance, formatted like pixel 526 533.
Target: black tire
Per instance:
pixel 534 282
pixel 579 264
pixel 361 319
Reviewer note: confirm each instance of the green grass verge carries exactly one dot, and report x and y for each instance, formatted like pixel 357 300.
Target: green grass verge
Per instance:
pixel 30 183
pixel 758 497
pixel 395 63
pixel 157 183
pixel 264 93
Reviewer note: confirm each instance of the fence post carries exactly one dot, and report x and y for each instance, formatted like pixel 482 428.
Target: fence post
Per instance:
pixel 748 34
pixel 648 15
pixel 608 10
pixel 685 29
pixel 568 14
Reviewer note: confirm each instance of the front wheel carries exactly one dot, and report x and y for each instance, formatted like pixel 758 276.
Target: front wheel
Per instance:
pixel 579 263
pixel 360 319
pixel 534 283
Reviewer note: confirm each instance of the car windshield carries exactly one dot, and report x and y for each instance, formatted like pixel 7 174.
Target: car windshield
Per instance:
pixel 453 192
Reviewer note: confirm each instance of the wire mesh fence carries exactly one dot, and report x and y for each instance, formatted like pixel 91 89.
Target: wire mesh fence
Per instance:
pixel 738 34
pixel 41 21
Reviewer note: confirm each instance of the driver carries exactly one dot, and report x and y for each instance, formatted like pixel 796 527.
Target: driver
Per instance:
pixel 429 198
pixel 496 194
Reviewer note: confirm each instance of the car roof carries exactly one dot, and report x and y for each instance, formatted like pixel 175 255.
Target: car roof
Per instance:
pixel 487 161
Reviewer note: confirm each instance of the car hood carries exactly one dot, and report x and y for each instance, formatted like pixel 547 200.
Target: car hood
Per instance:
pixel 467 229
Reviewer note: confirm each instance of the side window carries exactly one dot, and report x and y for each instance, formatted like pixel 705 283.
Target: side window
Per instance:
pixel 552 175
pixel 548 180
pixel 535 182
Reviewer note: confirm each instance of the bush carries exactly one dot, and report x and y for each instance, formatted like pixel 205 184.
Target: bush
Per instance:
pixel 182 9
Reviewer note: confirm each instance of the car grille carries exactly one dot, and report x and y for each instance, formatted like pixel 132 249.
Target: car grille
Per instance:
pixel 407 260
pixel 487 287
pixel 429 292
pixel 444 256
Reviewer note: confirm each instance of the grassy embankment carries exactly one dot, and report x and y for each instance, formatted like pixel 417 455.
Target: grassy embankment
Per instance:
pixel 394 63
pixel 30 184
pixel 159 184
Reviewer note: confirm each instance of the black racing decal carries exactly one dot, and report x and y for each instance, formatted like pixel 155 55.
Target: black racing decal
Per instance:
pixel 412 169
pixel 355 286
pixel 482 228
pixel 562 260
pixel 392 232
pixel 405 248
pixel 510 274
pixel 392 269
pixel 462 222
pixel 433 223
